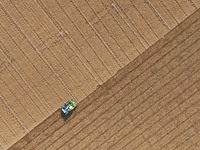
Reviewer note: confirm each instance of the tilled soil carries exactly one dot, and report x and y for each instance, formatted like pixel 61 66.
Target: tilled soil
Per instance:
pixel 51 51
pixel 153 102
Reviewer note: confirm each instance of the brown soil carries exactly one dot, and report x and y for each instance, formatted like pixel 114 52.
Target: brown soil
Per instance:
pixel 153 102
pixel 53 51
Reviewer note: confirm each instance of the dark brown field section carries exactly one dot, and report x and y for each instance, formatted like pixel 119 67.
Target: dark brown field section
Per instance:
pixel 154 102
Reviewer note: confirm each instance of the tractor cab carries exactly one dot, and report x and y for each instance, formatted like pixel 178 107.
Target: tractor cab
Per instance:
pixel 68 107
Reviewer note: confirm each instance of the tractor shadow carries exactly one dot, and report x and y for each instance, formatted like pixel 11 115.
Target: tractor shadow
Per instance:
pixel 64 116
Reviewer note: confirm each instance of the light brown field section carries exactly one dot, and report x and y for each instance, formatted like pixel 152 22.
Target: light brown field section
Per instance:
pixel 152 103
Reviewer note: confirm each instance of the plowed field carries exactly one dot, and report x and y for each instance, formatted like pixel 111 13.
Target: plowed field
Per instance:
pixel 106 56
pixel 152 103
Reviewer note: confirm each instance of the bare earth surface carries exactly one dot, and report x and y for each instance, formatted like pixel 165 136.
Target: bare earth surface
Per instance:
pixel 100 54
pixel 152 103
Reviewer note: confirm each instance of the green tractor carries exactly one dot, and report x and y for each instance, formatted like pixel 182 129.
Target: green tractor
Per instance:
pixel 68 107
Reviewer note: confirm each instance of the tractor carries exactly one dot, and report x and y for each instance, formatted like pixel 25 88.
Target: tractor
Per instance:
pixel 68 107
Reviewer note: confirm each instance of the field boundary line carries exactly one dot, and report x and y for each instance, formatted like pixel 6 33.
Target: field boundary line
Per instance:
pixel 113 5
pixel 24 81
pixel 161 2
pixel 178 135
pixel 131 22
pixel 6 143
pixel 192 136
pixel 15 69
pixel 195 144
pixel 14 114
pixel 136 8
pixel 60 32
pixel 99 20
pixel 14 134
pixel 108 48
pixel 18 101
pixel 192 4
pixel 2 146
pixel 38 52
pixel 28 60
pixel 178 125
pixel 119 24
pixel 55 57
pixel 158 14
pixel 181 8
